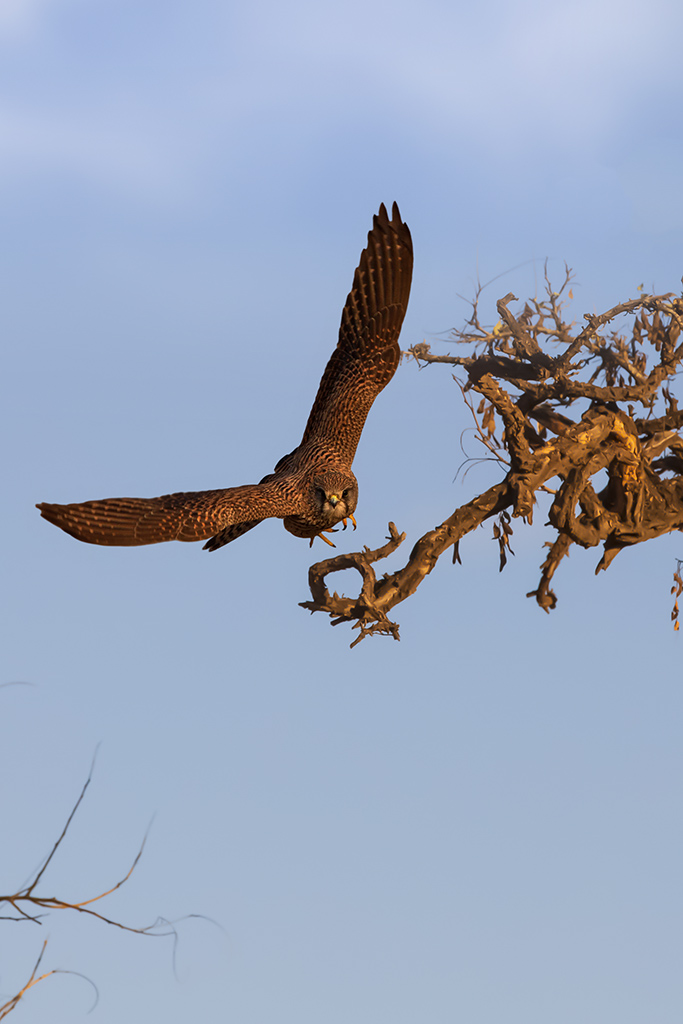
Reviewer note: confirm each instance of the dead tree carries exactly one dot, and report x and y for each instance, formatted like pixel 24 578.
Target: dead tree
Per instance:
pixel 557 406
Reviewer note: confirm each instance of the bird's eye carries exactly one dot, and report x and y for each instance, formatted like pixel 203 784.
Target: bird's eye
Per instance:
pixel 345 493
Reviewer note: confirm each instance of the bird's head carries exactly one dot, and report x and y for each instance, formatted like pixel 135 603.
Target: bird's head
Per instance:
pixel 334 495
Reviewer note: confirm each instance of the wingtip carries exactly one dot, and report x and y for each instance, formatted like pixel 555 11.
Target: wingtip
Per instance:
pixel 382 217
pixel 379 219
pixel 48 510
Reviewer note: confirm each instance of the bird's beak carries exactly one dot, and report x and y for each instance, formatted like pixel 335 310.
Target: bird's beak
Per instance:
pixel 333 499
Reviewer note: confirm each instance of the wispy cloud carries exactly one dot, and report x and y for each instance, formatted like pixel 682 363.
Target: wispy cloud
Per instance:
pixel 538 81
pixel 22 18
pixel 117 153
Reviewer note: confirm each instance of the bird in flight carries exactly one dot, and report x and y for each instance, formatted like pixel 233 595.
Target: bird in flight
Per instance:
pixel 311 489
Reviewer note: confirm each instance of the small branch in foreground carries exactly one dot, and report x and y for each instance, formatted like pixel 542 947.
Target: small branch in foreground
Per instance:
pixel 35 978
pixel 26 902
pixel 27 897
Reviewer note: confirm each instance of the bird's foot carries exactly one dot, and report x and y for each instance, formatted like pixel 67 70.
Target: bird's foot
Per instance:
pixel 352 520
pixel 323 537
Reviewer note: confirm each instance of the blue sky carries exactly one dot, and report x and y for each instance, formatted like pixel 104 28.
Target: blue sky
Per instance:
pixel 479 824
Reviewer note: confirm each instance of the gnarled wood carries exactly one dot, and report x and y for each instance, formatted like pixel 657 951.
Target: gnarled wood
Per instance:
pixel 532 371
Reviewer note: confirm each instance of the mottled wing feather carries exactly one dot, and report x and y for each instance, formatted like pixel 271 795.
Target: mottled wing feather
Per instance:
pixel 191 516
pixel 236 530
pixel 367 354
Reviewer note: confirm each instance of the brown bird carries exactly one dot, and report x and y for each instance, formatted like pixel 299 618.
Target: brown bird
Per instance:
pixel 311 489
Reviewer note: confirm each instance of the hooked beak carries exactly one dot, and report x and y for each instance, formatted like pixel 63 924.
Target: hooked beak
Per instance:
pixel 333 499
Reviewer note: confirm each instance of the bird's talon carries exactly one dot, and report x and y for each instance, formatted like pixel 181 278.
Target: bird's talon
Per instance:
pixel 323 537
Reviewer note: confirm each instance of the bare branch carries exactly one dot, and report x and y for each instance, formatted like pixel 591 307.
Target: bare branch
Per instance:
pixel 35 978
pixel 26 903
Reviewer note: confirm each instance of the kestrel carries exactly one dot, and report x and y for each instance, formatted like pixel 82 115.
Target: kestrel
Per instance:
pixel 311 489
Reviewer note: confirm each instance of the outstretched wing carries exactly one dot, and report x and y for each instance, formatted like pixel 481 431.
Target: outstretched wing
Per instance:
pixel 196 515
pixel 367 353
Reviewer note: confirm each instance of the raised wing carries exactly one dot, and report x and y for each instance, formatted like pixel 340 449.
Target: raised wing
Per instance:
pixel 195 515
pixel 367 353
